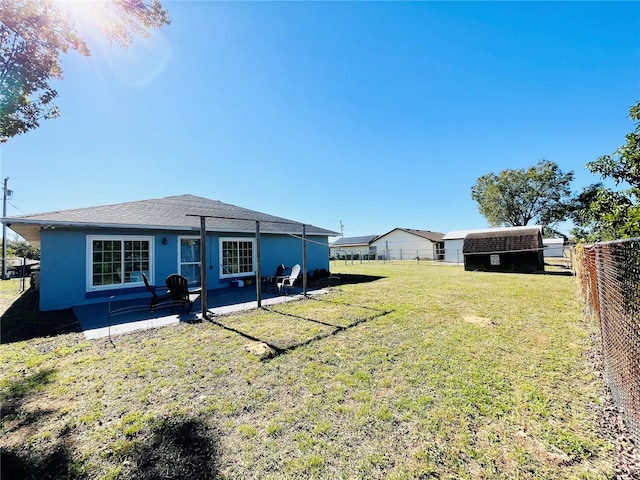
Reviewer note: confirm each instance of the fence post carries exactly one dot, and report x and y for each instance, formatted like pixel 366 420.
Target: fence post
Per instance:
pixel 24 270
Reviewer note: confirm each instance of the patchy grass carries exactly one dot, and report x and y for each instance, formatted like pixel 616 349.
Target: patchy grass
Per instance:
pixel 428 372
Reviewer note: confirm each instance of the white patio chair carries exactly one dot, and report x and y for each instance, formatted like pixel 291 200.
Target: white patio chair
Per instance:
pixel 287 282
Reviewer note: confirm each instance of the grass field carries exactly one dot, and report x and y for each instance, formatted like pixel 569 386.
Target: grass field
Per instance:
pixel 427 372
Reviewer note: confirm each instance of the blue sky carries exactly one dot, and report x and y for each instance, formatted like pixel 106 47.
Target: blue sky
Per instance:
pixel 376 114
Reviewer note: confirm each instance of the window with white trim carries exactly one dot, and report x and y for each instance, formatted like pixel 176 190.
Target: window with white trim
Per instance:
pixel 237 257
pixel 189 259
pixel 118 261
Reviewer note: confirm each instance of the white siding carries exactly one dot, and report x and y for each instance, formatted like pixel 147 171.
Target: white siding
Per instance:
pixel 404 246
pixel 453 250
pixel 553 247
pixel 350 250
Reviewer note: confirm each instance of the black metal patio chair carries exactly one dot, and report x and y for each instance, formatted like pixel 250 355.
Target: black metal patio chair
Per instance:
pixel 156 299
pixel 179 291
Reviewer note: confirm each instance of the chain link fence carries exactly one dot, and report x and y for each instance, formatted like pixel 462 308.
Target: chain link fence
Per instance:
pixel 387 254
pixel 609 283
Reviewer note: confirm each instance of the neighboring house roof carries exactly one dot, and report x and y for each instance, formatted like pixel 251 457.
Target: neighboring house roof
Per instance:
pixel 459 234
pixel 353 241
pixel 168 213
pixel 427 234
pixel 503 240
pixel 553 241
pixel 19 261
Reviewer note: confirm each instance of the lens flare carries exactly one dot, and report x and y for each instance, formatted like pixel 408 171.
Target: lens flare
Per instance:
pixel 100 22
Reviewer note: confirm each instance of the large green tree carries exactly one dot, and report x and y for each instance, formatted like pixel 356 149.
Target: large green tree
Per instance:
pixel 33 36
pixel 603 213
pixel 539 194
pixel 22 248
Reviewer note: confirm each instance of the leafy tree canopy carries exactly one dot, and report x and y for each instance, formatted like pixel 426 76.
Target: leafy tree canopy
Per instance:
pixel 623 166
pixel 33 35
pixel 22 248
pixel 538 194
pixel 605 214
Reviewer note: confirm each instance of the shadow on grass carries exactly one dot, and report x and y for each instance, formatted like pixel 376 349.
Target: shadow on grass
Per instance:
pixel 178 448
pixel 15 393
pixel 54 460
pixel 335 329
pixel 54 464
pixel 348 278
pixel 24 321
pixel 558 273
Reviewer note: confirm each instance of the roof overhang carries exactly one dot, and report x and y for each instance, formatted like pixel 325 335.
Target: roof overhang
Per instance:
pixel 30 229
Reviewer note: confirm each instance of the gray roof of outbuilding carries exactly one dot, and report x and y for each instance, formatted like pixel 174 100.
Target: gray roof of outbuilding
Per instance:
pixel 169 213
pixel 349 241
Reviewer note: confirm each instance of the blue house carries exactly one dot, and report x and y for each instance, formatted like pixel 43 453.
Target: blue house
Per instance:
pixel 89 254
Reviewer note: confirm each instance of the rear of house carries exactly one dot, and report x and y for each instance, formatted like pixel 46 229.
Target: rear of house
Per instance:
pixel 90 254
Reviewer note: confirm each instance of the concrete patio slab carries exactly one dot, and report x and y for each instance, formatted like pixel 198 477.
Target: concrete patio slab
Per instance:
pixel 117 317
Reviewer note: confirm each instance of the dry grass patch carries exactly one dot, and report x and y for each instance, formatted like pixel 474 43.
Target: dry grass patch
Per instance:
pixel 480 321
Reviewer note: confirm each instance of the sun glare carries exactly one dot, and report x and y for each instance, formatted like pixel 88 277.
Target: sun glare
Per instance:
pixel 138 64
pixel 85 14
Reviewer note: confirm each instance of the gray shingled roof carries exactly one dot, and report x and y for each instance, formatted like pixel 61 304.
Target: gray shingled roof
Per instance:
pixel 428 234
pixel 169 213
pixel 351 241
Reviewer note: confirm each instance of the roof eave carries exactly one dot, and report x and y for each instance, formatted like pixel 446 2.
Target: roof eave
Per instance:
pixel 32 235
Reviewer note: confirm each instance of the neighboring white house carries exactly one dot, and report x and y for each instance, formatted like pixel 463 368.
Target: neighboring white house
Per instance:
pixel 352 247
pixel 553 247
pixel 409 244
pixel 454 242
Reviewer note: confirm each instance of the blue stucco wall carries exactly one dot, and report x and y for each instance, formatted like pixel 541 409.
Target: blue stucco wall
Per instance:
pixel 63 277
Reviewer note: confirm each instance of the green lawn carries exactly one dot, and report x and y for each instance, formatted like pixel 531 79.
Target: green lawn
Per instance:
pixel 427 372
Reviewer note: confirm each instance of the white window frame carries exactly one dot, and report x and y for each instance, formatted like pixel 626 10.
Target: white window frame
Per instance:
pixel 253 256
pixel 122 238
pixel 179 261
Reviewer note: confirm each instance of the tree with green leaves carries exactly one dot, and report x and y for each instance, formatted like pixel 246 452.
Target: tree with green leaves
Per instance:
pixel 34 34
pixel 606 214
pixel 22 248
pixel 539 194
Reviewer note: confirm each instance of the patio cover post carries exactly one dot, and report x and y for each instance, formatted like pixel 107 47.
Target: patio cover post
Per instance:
pixel 258 269
pixel 203 265
pixel 304 259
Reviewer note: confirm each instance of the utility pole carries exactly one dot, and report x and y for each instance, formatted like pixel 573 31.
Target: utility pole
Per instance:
pixel 5 193
pixel 341 229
